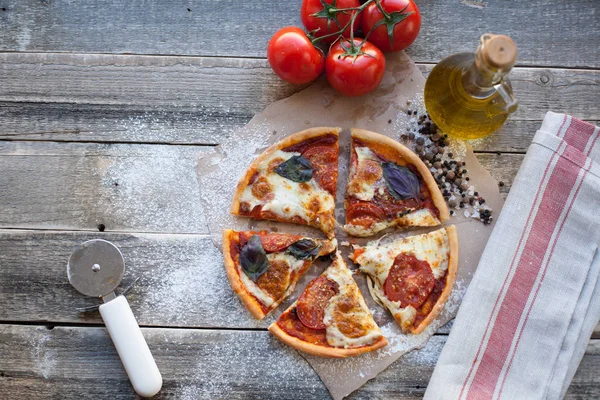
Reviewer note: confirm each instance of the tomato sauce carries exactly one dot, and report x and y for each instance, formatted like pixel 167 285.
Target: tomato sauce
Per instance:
pixel 425 308
pixel 291 324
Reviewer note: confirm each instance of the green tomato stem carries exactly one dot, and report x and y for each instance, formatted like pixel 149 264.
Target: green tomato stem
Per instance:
pixel 350 23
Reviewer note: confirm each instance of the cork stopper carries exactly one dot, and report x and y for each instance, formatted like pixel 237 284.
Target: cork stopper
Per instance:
pixel 497 52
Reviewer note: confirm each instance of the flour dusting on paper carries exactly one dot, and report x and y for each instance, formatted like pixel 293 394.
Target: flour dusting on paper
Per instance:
pixel 383 111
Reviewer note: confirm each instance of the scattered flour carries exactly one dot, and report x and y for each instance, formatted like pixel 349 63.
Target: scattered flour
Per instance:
pixel 219 172
pixel 44 356
pixel 149 188
pixel 187 278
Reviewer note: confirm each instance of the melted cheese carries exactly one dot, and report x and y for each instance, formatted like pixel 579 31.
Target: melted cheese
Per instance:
pixel 295 265
pixel 422 217
pixel 432 247
pixel 365 153
pixel 289 198
pixel 377 260
pixel 339 273
pixel 406 315
pixel 251 287
pixel 359 188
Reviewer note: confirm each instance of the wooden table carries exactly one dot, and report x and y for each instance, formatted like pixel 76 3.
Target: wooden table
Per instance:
pixel 104 110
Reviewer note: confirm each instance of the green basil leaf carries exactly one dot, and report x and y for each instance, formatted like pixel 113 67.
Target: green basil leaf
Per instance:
pixel 304 249
pixel 254 258
pixel 297 169
pixel 401 182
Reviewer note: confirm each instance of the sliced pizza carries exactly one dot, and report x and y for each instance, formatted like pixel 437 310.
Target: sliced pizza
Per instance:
pixel 389 186
pixel 263 267
pixel 293 181
pixel 412 277
pixel 330 318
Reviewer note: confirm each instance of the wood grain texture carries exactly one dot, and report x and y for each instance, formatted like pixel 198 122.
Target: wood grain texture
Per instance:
pixel 82 185
pixel 38 363
pixel 124 187
pixel 180 282
pixel 242 28
pixel 201 100
pixel 178 286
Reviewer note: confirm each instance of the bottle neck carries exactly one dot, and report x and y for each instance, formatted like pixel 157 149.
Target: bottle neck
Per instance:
pixel 480 80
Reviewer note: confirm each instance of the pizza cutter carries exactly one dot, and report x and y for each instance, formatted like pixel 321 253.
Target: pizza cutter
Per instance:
pixel 95 269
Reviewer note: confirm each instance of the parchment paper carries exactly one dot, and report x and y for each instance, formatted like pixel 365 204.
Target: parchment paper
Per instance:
pixel 382 111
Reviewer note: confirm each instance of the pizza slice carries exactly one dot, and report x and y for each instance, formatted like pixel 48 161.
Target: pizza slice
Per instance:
pixel 263 267
pixel 412 277
pixel 330 318
pixel 389 186
pixel 293 181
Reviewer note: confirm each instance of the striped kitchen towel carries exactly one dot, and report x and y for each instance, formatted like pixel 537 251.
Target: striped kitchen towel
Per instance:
pixel 534 300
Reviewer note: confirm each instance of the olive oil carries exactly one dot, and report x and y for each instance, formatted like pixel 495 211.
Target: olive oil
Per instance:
pixel 468 95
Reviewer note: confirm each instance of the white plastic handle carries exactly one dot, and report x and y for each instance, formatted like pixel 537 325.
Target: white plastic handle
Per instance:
pixel 131 346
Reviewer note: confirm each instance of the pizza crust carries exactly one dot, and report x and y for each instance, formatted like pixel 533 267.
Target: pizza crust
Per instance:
pixel 451 276
pixel 322 351
pixel 291 140
pixel 412 158
pixel 236 284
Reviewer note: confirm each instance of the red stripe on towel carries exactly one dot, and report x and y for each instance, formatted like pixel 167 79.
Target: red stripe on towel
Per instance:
pixel 554 199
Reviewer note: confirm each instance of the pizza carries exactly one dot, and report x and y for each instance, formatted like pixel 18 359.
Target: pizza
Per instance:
pixel 389 186
pixel 293 181
pixel 330 318
pixel 263 267
pixel 412 277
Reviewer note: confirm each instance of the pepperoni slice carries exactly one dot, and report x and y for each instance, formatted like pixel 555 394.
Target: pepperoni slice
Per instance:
pixel 410 281
pixel 271 242
pixel 311 304
pixel 324 161
pixel 364 214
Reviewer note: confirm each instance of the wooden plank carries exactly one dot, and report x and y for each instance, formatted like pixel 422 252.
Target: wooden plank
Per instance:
pixel 187 100
pixel 180 283
pixel 178 286
pixel 124 123
pixel 122 187
pixel 184 27
pixel 70 362
pixel 502 166
pixel 83 186
pixel 73 362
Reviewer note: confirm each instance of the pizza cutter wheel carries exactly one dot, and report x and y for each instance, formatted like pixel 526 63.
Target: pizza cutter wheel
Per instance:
pixel 95 269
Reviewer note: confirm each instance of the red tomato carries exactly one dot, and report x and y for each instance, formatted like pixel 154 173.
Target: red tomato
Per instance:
pixel 410 281
pixel 324 160
pixel 327 21
pixel 406 28
pixel 293 57
pixel 274 242
pixel 364 214
pixel 311 304
pixel 352 73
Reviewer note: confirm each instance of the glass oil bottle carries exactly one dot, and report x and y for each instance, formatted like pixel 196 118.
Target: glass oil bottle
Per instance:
pixel 468 95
